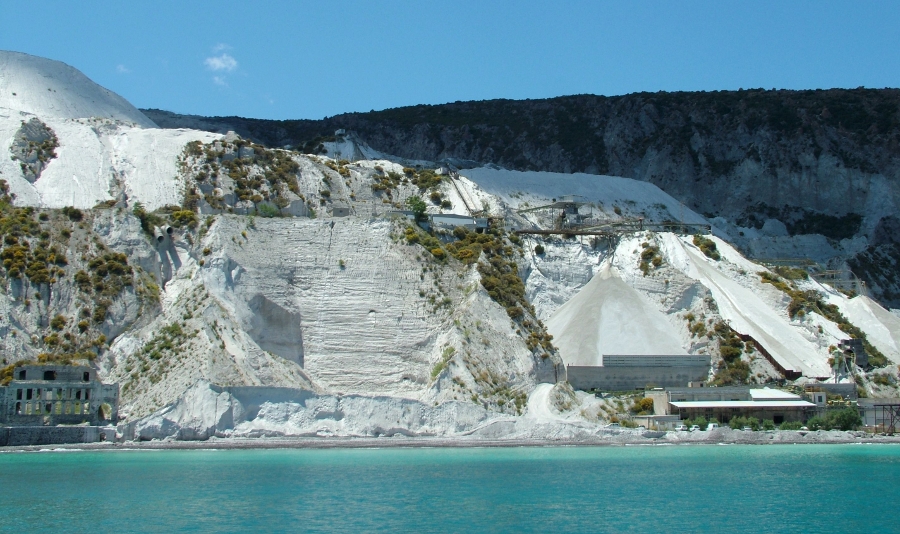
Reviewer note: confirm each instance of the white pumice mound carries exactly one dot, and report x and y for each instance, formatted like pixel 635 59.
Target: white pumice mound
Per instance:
pixel 610 317
pixel 106 146
pixel 97 160
pixel 52 89
pixel 523 189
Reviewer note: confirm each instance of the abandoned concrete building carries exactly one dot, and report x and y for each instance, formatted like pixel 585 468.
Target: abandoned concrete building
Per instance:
pixel 48 395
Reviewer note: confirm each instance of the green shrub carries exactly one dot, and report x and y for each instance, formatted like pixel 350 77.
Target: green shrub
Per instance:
pixel 882 379
pixel 539 250
pixel 736 373
pixel 58 322
pixel 184 218
pixel 100 310
pixel 268 211
pixel 790 425
pixel 515 312
pixel 73 214
pixel 843 419
pixel 816 423
pixel 791 273
pixel 740 422
pixel 707 246
pixel 699 421
pixel 846 419
pixel 643 406
pixel 730 354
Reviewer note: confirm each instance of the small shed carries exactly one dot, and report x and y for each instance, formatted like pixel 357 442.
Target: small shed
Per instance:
pixel 340 210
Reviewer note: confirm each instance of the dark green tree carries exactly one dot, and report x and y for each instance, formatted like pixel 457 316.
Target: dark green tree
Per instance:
pixel 418 207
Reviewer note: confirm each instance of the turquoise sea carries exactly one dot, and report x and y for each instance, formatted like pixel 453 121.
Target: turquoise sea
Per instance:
pixel 774 488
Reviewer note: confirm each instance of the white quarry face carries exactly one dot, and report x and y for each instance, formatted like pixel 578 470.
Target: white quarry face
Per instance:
pixel 337 310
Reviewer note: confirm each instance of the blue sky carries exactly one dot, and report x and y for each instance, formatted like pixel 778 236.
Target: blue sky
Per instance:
pixel 293 59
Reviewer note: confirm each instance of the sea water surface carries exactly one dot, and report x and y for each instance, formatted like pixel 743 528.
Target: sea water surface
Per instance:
pixel 774 488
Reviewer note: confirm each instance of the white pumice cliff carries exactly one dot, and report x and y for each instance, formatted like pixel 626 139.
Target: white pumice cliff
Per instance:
pixel 249 291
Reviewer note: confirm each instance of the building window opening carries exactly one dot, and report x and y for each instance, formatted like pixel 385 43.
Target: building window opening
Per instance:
pixel 22 374
pixel 27 408
pixel 68 408
pixel 49 407
pixel 86 377
pixel 87 394
pixel 78 394
pixel 18 394
pixel 49 375
pixel 104 412
pixel 18 408
pixel 777 419
pixel 28 393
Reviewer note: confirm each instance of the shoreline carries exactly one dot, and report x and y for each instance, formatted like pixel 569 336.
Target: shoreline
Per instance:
pixel 613 440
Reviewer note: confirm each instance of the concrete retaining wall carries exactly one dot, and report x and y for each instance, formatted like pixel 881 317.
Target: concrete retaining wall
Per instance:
pixel 625 378
pixel 18 436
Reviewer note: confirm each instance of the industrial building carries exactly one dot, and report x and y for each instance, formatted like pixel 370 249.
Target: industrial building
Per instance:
pixel 725 403
pixel 621 372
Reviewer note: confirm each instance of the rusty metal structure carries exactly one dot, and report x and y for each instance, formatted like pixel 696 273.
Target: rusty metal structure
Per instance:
pixel 890 416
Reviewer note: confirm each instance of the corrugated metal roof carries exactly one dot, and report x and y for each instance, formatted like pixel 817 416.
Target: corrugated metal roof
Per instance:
pixel 743 404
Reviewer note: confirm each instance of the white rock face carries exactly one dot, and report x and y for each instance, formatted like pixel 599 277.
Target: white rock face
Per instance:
pixel 207 410
pixel 274 306
pixel 366 341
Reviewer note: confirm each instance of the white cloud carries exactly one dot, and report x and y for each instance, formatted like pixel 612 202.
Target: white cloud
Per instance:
pixel 222 62
pixel 220 47
pixel 219 80
pixel 122 69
